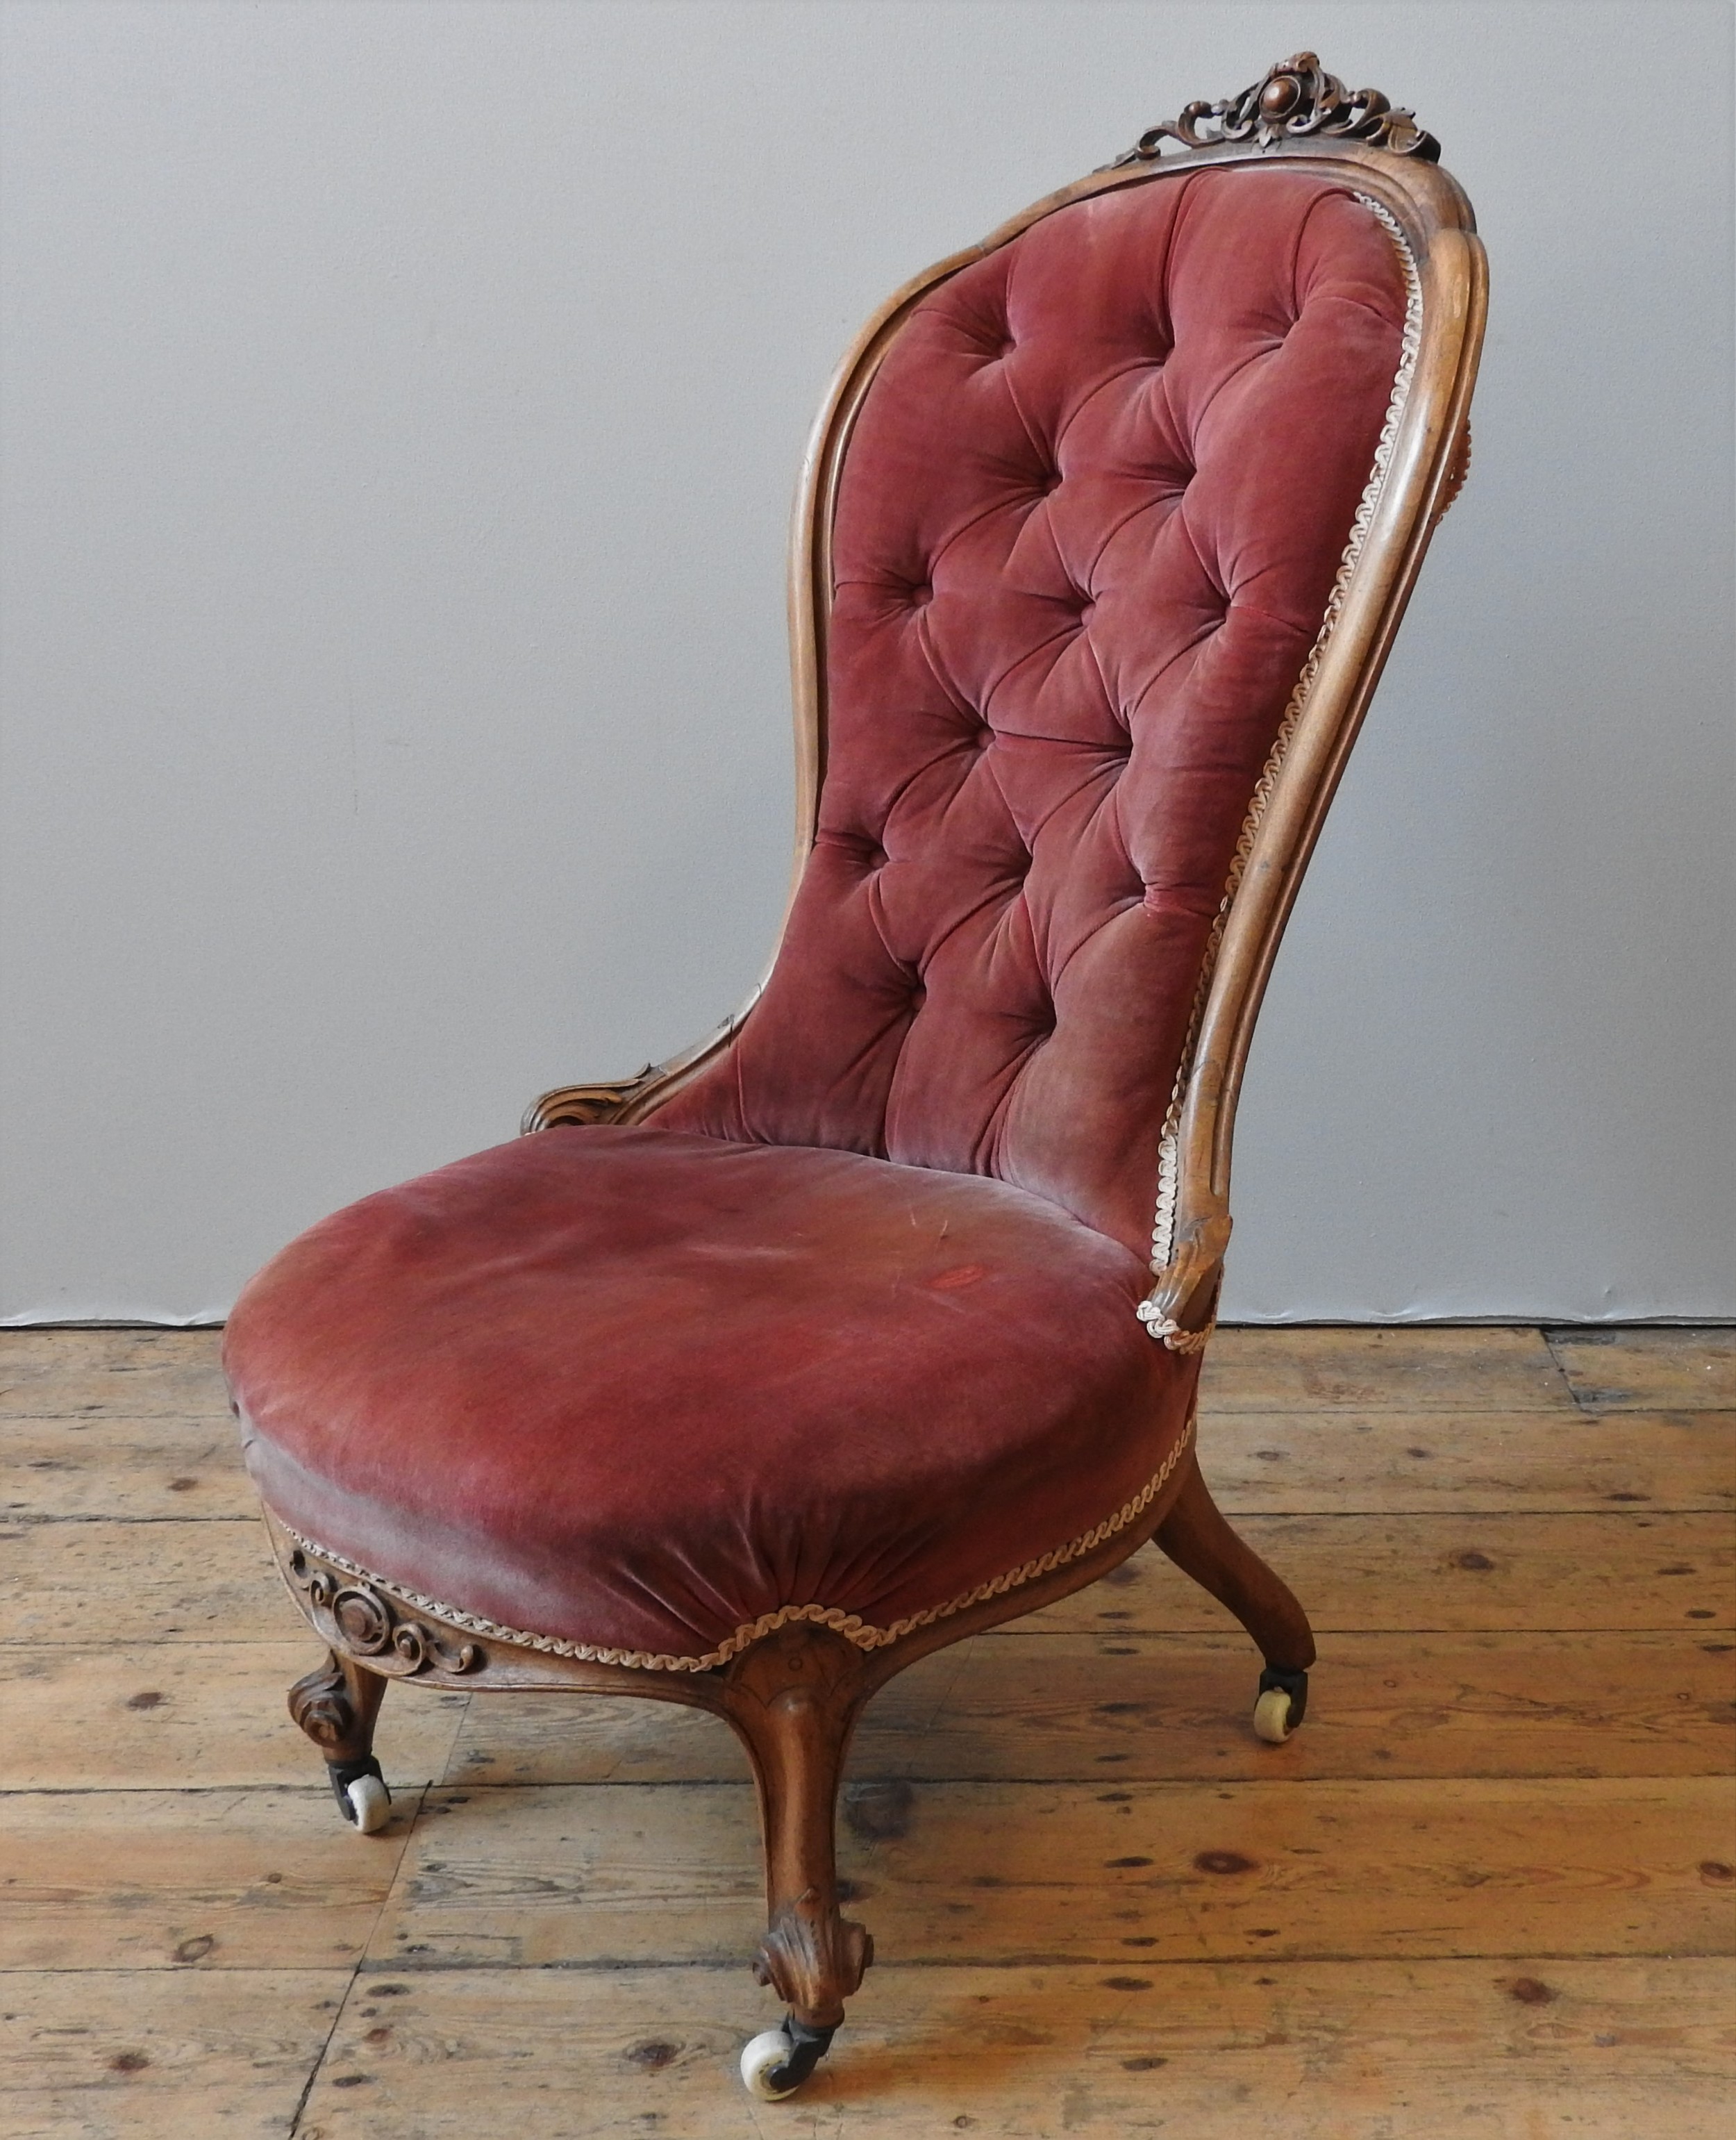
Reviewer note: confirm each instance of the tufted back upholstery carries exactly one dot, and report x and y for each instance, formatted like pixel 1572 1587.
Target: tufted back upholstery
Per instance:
pixel 1087 525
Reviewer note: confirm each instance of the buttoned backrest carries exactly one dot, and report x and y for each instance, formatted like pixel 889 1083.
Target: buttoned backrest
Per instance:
pixel 1087 526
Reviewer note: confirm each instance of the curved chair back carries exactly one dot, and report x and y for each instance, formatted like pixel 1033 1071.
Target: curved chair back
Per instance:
pixel 1106 527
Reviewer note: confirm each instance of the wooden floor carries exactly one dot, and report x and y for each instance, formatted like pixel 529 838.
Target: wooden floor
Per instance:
pixel 1487 1891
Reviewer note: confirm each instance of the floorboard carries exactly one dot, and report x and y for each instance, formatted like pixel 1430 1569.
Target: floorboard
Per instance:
pixel 1017 1705
pixel 207 1879
pixel 1582 2049
pixel 108 2055
pixel 171 1714
pixel 1617 1370
pixel 111 1374
pixel 175 1468
pixel 596 1874
pixel 1465 1464
pixel 1423 1370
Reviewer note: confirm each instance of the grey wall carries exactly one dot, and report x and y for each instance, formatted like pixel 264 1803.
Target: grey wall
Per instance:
pixel 402 405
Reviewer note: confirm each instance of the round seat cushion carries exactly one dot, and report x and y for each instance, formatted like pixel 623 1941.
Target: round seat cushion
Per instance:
pixel 641 1391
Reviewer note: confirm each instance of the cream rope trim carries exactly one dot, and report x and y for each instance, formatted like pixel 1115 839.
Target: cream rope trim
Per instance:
pixel 1166 1327
pixel 1169 1154
pixel 863 1632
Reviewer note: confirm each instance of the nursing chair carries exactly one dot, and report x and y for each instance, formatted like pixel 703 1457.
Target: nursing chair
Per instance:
pixel 875 1319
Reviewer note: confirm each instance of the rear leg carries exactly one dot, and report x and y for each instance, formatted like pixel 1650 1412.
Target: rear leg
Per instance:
pixel 1201 1543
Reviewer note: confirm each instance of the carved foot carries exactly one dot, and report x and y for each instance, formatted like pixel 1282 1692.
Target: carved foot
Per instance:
pixel 812 1958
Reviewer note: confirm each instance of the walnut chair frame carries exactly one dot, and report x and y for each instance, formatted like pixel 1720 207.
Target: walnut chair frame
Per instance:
pixel 793 1692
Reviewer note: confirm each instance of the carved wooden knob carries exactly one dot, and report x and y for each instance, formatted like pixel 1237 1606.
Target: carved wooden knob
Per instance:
pixel 1280 96
pixel 362 1620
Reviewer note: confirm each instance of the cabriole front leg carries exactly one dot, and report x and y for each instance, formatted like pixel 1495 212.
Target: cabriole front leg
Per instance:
pixel 793 1700
pixel 337 1706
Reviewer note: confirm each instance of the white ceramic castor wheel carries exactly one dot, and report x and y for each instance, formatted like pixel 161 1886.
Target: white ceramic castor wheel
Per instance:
pixel 1282 1703
pixel 371 1804
pixel 768 2054
pixel 778 2060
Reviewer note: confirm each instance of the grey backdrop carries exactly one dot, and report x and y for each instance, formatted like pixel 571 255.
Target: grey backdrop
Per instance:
pixel 401 406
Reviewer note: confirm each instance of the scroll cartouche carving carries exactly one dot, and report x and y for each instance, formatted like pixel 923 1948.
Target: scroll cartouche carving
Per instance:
pixel 368 1625
pixel 812 1957
pixel 1296 100
pixel 627 1099
pixel 583 1105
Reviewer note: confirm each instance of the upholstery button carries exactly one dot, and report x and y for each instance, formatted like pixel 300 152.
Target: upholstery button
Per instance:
pixel 984 736
pixel 1051 483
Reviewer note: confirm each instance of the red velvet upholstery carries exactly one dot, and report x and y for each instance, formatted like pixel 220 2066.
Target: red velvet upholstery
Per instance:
pixel 789 1344
pixel 1089 520
pixel 638 1389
